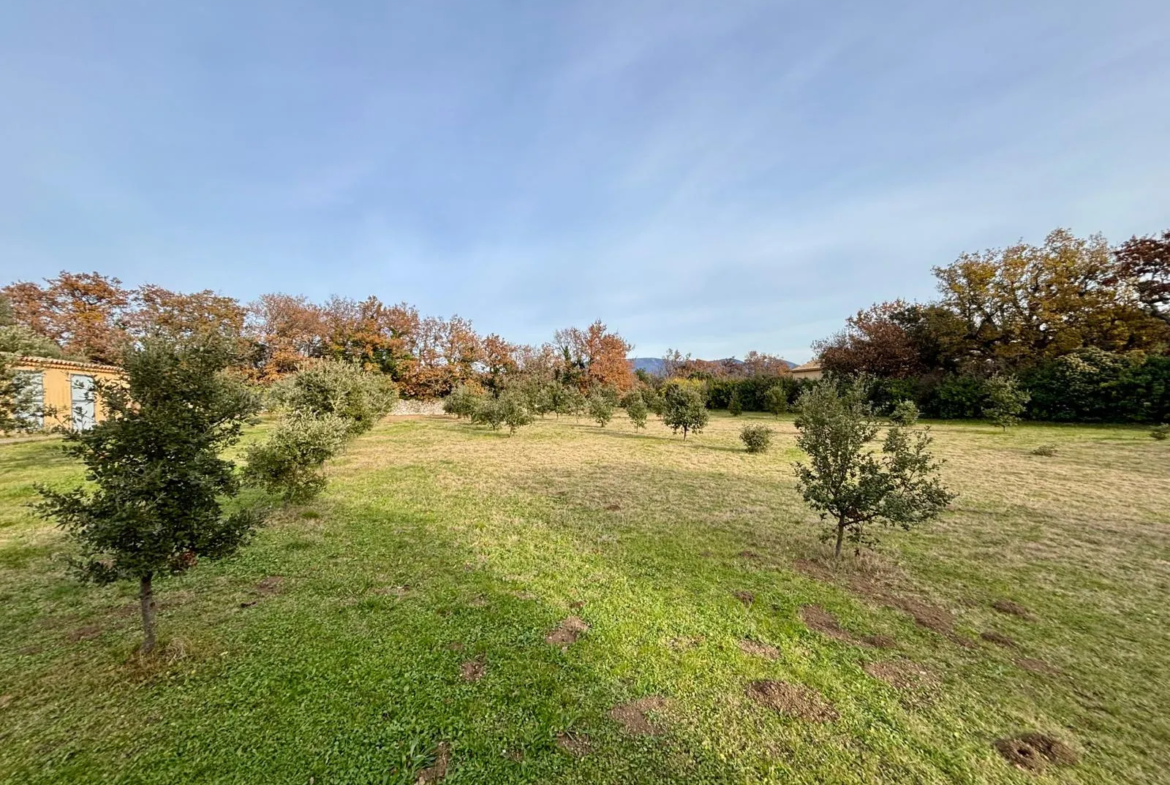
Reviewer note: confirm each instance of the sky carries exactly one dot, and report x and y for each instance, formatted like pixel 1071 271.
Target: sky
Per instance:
pixel 715 177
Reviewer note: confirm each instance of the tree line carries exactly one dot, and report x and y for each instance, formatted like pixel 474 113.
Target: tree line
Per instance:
pixel 90 316
pixel 1082 325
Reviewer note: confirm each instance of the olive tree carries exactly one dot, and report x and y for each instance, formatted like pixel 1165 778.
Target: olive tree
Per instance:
pixel 637 410
pixel 461 402
pixel 359 397
pixel 776 399
pixel 290 462
pixel 154 504
pixel 1005 401
pixel 853 485
pixel 601 405
pixel 683 409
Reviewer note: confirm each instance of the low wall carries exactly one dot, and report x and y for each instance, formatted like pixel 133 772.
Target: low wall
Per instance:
pixel 403 408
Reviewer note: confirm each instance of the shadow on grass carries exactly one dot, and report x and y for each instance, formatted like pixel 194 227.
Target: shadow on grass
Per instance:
pixel 348 671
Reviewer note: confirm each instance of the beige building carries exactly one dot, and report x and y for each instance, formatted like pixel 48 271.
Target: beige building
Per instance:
pixel 810 370
pixel 60 392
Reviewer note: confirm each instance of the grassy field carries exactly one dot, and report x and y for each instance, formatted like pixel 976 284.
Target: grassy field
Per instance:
pixel 395 630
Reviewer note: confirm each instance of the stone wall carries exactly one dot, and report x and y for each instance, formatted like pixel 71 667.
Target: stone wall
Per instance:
pixel 403 408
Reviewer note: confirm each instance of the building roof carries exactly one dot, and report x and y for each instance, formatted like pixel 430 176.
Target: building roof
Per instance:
pixel 811 365
pixel 69 365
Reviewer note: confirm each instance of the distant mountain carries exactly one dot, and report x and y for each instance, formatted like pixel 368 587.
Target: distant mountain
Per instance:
pixel 651 365
pixel 656 365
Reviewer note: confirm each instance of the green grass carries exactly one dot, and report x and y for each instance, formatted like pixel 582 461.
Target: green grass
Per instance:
pixel 434 534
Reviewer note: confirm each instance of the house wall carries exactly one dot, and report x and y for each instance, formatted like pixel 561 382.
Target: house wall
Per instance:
pixel 57 377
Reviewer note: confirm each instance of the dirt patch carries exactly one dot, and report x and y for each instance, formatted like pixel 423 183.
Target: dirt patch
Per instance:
pixel 633 716
pixel 87 633
pixel 932 617
pixel 879 641
pixel 1013 609
pixel 577 605
pixel 1037 666
pixel 746 597
pixel 682 644
pixel 455 646
pixel 567 632
pixel 524 595
pixel 438 771
pixel 473 670
pixel 273 584
pixel 613 507
pixel 757 649
pixel 901 674
pixel 794 700
pixel 998 638
pixel 814 570
pixel 393 591
pixel 1035 751
pixel 750 555
pixel 820 620
pixel 514 755
pixel 576 744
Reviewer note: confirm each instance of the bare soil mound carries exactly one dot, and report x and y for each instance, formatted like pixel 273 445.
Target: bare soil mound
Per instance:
pixel 757 649
pixel 1013 609
pixel 473 670
pixel 576 744
pixel 1035 751
pixel 567 632
pixel 794 700
pixel 438 771
pixel 634 716
pixel 901 674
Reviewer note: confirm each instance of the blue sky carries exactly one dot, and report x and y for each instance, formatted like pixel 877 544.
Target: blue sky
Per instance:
pixel 711 176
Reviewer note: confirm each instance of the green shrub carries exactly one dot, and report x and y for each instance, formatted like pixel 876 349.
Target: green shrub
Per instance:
pixel 683 408
pixel 289 462
pixel 1160 432
pixel 637 411
pixel 905 413
pixel 601 407
pixel 461 402
pixel 514 409
pixel 776 399
pixel 757 438
pixel 489 411
pixel 1045 450
pixel 735 405
pixel 1005 401
pixel 854 486
pixel 361 398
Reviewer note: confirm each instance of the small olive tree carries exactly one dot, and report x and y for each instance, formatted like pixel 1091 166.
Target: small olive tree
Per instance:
pixel 683 409
pixel 905 413
pixel 756 438
pixel 848 482
pixel 776 399
pixel 514 409
pixel 601 406
pixel 290 462
pixel 461 402
pixel 1005 401
pixel 637 410
pixel 361 398
pixel 735 405
pixel 157 481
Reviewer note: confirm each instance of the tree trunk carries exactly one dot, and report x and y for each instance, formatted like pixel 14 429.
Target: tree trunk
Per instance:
pixel 146 601
pixel 840 537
